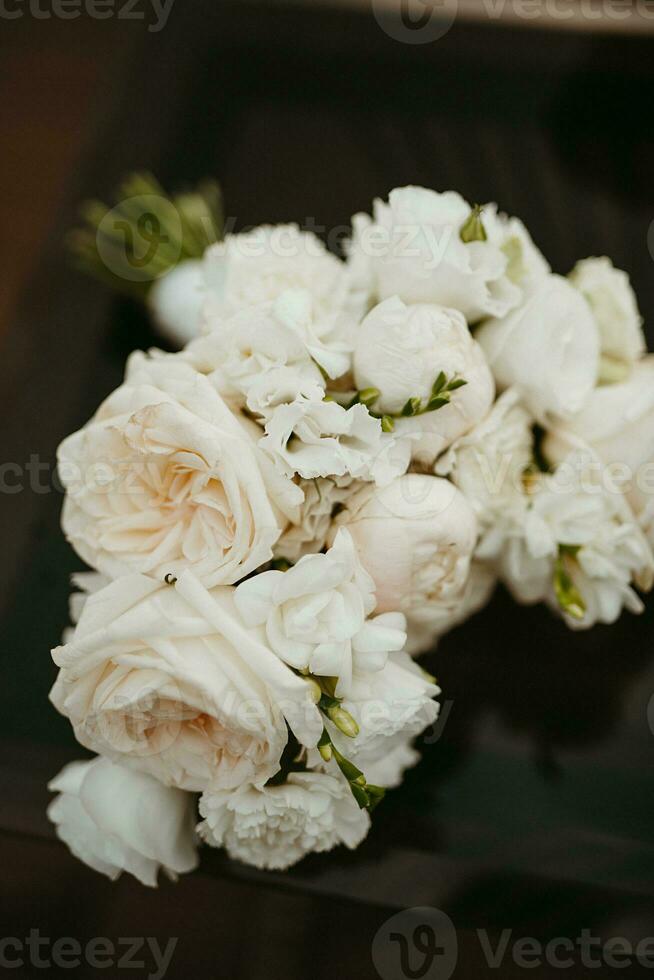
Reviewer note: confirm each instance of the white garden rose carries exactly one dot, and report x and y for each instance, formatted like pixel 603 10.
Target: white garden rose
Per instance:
pixel 164 477
pixel 415 538
pixel 526 264
pixel 275 826
pixel 578 533
pixel 414 250
pixel 425 624
pixel 548 348
pixel 488 465
pixel 611 298
pixel 176 300
pixel 323 498
pixel 314 438
pixel 618 422
pixel 115 820
pixel 317 615
pixel 168 680
pixel 401 351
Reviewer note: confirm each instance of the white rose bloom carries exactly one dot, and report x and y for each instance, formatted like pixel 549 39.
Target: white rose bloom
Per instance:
pixel 548 348
pixel 164 477
pixel 176 300
pixel 415 251
pixel 401 350
pixel 612 300
pixel 323 497
pixel 115 820
pixel 618 422
pixel 322 438
pixel 579 509
pixel 259 265
pixel 487 464
pixel 167 680
pixel 427 623
pixel 526 264
pixel 415 538
pixel 274 827
pixel 317 615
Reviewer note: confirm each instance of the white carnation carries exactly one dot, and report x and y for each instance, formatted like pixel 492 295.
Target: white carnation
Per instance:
pixel 323 498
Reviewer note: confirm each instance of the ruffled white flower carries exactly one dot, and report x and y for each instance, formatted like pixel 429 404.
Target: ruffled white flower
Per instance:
pixel 425 624
pixel 401 350
pixel 322 438
pixel 168 681
pixel 176 299
pixel 274 827
pixel 548 348
pixel 414 250
pixel 415 538
pixel 164 477
pixel 526 264
pixel 267 354
pixel 618 422
pixel 317 615
pixel 385 764
pixel 323 498
pixel 488 466
pixel 579 525
pixel 115 820
pixel 611 298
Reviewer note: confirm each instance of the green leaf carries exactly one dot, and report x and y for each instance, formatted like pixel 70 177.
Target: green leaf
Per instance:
pixel 412 407
pixel 387 423
pixel 567 595
pixel 435 403
pixel 472 229
pixel 456 383
pixel 439 383
pixel 369 396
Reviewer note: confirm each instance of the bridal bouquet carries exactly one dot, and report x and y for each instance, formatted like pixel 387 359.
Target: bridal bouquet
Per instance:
pixel 337 467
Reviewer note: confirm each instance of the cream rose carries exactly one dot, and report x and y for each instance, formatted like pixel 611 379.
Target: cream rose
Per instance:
pixel 168 680
pixel 164 477
pixel 275 826
pixel 414 250
pixel 548 348
pixel 115 820
pixel 317 615
pixel 425 624
pixel 401 350
pixel 611 298
pixel 415 538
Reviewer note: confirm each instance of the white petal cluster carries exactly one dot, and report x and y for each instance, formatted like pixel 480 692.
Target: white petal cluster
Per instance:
pixel 322 482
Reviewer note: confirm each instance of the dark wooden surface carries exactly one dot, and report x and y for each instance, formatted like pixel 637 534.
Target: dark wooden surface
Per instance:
pixel 533 808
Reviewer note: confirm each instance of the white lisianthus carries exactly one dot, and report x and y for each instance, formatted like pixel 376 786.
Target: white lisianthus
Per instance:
pixel 276 826
pixel 176 299
pixel 425 624
pixel 526 264
pixel 317 615
pixel 270 353
pixel 612 300
pixel 579 547
pixel 164 477
pixel 488 464
pixel 322 438
pixel 401 350
pixel 618 422
pixel 167 680
pixel 259 265
pixel 415 251
pixel 115 820
pixel 323 498
pixel 548 348
pixel 415 537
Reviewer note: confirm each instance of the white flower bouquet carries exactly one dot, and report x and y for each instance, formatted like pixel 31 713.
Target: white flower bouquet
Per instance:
pixel 337 467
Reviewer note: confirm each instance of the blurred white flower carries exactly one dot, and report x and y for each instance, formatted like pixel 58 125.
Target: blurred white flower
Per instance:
pixel 115 819
pixel 612 300
pixel 317 615
pixel 526 264
pixel 413 249
pixel 176 300
pixel 548 348
pixel 275 826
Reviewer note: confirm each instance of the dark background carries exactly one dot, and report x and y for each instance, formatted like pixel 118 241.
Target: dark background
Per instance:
pixel 532 806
